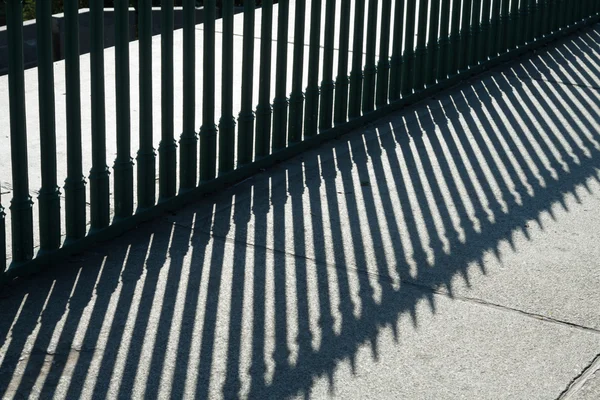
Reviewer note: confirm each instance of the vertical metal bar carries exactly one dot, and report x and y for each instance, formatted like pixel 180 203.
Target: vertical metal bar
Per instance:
pixel 167 149
pixel 553 15
pixel 99 174
pixel 124 163
pixel 530 24
pixel 368 99
pixel 514 25
pixel 146 156
pixel 208 131
pixel 420 51
pixel 246 117
pixel 75 183
pixel 21 203
pixel 383 65
pixel 466 35
pixel 486 43
pixel 455 40
pixel 444 42
pixel 432 43
pixel 504 27
pixel 570 8
pixel 396 61
pixel 562 19
pixel 327 84
pixel 297 97
pixel 227 121
pixel 495 31
pixel 312 91
pixel 475 33
pixel 188 141
pixel 356 74
pixel 559 17
pixel 524 22
pixel 575 11
pixel 544 17
pixel 406 82
pixel 49 197
pixel 567 7
pixel 536 23
pixel 264 110
pixel 280 103
pixel 341 82
pixel 2 239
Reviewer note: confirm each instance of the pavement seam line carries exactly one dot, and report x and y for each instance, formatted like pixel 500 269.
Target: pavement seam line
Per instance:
pixel 580 380
pixel 424 288
pixel 553 81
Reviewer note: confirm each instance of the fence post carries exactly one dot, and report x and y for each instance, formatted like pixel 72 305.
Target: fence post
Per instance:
pixel 264 110
pixel 49 197
pixel 486 42
pixel 368 93
pixel 188 141
pixel 396 61
pixel 124 163
pixel 2 239
pixel 554 15
pixel 383 65
pixel 208 131
pixel 75 203
pixel 342 81
pixel 455 40
pixel 465 35
pixel 21 204
pixel 475 34
pixel 356 74
pixel 297 97
pixel 227 121
pixel 543 17
pixel 146 156
pixel 406 82
pixel 514 25
pixel 167 149
pixel 246 117
pixel 311 124
pixel 280 103
pixel 444 42
pixel 420 52
pixel 99 174
pixel 531 31
pixel 432 44
pixel 502 36
pixel 327 85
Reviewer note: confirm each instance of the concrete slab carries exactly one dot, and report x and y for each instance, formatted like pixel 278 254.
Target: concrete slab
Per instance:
pixel 165 313
pixel 489 191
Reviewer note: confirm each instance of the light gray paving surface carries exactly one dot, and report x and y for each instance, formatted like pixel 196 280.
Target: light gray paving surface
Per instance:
pixel 449 250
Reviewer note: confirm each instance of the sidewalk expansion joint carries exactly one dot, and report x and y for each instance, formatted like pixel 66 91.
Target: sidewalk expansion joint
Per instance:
pixel 557 82
pixel 485 303
pixel 416 285
pixel 580 380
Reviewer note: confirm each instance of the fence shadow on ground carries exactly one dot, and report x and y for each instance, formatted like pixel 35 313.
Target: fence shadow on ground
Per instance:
pixel 390 216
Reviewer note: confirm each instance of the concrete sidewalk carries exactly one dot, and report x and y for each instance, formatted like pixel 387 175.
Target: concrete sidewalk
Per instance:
pixel 447 251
